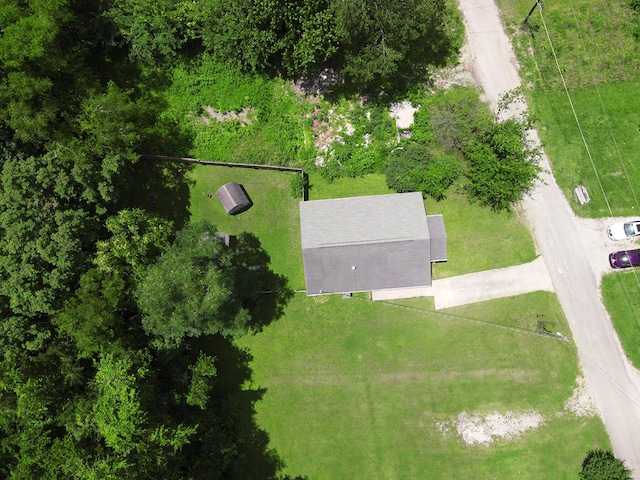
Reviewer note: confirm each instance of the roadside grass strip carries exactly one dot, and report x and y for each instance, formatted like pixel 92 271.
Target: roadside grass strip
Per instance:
pixel 620 294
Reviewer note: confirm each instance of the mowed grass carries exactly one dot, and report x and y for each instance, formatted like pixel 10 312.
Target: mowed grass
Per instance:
pixel 359 389
pixel 612 174
pixel 273 218
pixel 620 293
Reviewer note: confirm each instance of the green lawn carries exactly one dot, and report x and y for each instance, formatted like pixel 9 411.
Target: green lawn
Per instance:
pixel 616 157
pixel 620 293
pixel 273 218
pixel 357 389
pixel 478 238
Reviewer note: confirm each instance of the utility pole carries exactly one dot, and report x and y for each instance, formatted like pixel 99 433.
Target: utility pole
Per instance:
pixel 538 2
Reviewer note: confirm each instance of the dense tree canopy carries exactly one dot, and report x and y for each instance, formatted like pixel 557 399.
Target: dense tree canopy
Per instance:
pixel 366 41
pixel 117 354
pixel 198 287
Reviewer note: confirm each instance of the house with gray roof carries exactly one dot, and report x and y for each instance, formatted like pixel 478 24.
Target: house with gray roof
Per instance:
pixel 370 243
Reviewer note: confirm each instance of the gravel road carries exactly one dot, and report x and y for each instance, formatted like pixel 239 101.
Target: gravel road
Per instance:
pixel 573 249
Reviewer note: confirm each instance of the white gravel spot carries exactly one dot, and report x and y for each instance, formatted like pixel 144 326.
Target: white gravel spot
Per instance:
pixel 581 403
pixel 403 114
pixel 475 430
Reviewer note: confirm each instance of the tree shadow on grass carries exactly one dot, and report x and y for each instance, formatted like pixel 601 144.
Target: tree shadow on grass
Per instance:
pixel 275 292
pixel 229 443
pixel 162 187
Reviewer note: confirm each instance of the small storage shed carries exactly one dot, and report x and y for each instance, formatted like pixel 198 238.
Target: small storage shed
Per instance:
pixel 234 198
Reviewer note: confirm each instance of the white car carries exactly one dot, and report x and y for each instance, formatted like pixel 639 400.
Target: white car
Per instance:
pixel 624 230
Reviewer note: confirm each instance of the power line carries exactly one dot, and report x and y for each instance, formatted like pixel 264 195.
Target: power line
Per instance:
pixel 575 115
pixel 604 110
pixel 635 274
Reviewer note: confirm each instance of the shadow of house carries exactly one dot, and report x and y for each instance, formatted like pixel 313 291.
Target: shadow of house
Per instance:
pixel 373 243
pixel 234 198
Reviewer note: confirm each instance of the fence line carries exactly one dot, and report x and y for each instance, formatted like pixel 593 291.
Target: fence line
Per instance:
pixel 305 192
pixel 222 164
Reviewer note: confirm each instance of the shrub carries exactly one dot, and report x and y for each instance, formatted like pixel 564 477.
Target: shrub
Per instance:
pixel 501 168
pixel 412 168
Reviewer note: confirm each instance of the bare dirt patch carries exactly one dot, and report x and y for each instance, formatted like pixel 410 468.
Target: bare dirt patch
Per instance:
pixel 212 114
pixel 581 403
pixel 475 430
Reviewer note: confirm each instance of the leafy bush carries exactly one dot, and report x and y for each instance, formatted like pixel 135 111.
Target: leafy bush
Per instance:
pixel 603 465
pixel 299 183
pixel 456 116
pixel 501 168
pixel 411 168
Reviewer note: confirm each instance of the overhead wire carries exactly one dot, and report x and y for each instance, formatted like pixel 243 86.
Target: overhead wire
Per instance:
pixel 609 126
pixel 604 110
pixel 575 115
pixel 587 361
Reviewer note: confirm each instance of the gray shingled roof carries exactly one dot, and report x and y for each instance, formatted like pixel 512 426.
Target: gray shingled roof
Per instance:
pixel 366 243
pixel 234 198
pixel 438 236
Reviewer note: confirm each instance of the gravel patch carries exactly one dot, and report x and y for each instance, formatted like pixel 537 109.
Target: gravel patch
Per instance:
pixel 581 403
pixel 403 114
pixel 475 430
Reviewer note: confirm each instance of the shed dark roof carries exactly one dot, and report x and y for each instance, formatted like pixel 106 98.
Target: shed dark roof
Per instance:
pixel 366 243
pixel 234 198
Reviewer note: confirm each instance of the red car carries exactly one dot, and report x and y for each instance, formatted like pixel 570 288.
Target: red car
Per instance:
pixel 625 259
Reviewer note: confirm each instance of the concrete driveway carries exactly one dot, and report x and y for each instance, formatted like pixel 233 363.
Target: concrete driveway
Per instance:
pixel 490 284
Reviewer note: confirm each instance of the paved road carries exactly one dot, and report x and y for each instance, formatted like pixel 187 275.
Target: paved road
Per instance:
pixel 614 383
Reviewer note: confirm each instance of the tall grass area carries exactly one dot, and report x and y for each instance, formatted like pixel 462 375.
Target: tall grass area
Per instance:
pixel 620 293
pixel 273 131
pixel 358 389
pixel 600 60
pixel 593 40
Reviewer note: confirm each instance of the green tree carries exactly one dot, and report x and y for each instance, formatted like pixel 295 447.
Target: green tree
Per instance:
pixel 52 53
pixel 156 31
pixel 603 465
pixel 453 118
pixel 501 167
pixel 198 287
pixel 98 317
pixel 366 41
pixel 273 35
pixel 137 238
pixel 47 233
pixel 411 168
